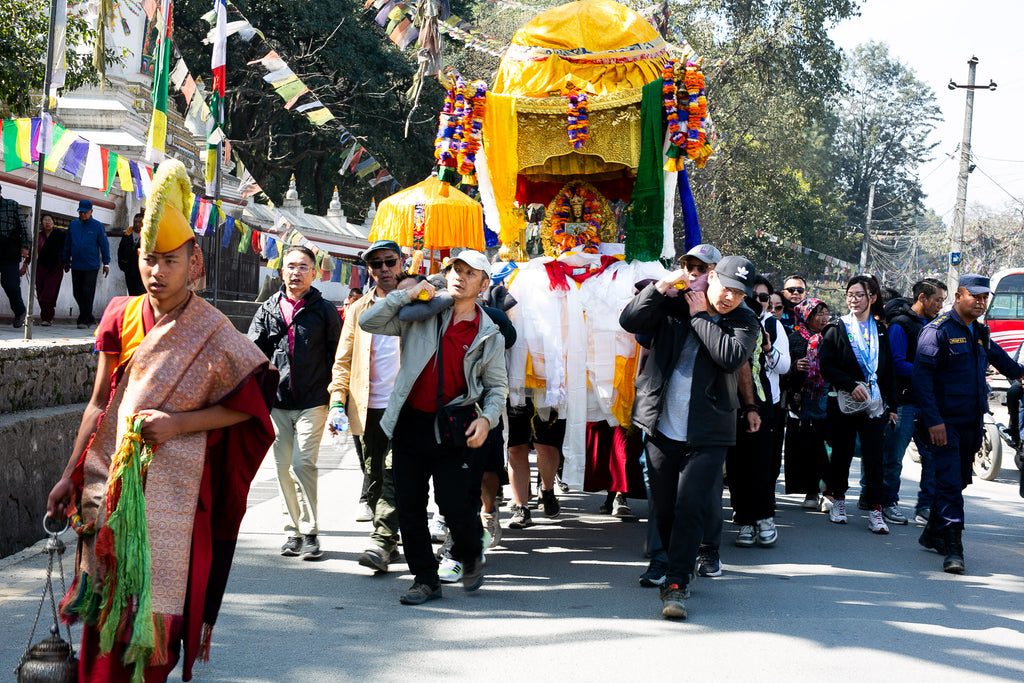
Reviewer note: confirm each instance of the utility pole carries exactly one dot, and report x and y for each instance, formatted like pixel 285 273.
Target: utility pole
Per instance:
pixel 959 212
pixel 867 230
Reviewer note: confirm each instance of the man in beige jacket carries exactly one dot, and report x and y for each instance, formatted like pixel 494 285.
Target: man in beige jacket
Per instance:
pixel 364 373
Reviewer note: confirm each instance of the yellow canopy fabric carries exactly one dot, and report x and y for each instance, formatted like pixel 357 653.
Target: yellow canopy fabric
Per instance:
pixel 450 221
pixel 601 45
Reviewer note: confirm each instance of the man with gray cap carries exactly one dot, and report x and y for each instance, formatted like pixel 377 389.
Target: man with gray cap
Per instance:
pixel 953 353
pixel 448 395
pixel 85 246
pixel 700 260
pixel 364 373
pixel 703 344
pixel 15 247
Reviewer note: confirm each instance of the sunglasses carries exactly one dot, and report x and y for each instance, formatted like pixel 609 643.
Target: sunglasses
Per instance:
pixel 377 265
pixel 697 266
pixel 795 290
pixel 764 297
pixel 777 307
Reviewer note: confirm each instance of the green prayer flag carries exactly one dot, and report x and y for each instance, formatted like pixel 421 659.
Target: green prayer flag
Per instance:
pixel 12 161
pixel 243 243
pixel 111 171
pixel 645 232
pixel 290 88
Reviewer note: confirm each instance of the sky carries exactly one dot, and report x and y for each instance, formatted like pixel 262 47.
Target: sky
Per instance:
pixel 936 38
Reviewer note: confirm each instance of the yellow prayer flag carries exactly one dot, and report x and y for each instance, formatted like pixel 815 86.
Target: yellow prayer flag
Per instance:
pixel 124 172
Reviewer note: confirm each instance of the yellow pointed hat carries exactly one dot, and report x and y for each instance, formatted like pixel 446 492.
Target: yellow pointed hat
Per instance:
pixel 165 227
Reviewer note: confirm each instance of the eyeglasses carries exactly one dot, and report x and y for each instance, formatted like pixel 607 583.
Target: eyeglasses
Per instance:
pixel 297 268
pixel 697 266
pixel 795 290
pixel 764 297
pixel 855 296
pixel 377 265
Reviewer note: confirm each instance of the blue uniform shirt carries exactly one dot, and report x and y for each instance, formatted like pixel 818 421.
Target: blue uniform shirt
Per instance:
pixel 949 370
pixel 82 242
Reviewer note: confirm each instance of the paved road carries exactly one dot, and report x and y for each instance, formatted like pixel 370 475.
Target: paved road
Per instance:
pixel 561 601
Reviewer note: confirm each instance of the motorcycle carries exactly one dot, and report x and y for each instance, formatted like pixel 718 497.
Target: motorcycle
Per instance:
pixel 995 438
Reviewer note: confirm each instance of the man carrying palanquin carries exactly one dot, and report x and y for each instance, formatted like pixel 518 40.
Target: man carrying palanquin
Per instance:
pixel 157 508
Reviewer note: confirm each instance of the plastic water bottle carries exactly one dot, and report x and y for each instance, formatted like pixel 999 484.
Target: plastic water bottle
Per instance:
pixel 338 420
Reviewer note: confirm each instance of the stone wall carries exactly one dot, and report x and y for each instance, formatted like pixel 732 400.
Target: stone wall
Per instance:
pixel 41 374
pixel 37 445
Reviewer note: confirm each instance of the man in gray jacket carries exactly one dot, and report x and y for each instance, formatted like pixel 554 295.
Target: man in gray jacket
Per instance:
pixel 686 402
pixel 452 372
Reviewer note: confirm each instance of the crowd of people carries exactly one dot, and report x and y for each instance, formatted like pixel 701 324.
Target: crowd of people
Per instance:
pixel 737 383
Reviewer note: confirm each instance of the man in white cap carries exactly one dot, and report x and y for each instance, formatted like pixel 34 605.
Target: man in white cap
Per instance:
pixel 688 432
pixel 449 393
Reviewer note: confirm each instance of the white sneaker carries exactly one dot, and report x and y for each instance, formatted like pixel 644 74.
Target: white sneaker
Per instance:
pixel 767 534
pixel 825 503
pixel 876 522
pixel 745 538
pixel 810 502
pixel 837 512
pixel 492 524
pixel 438 530
pixel 449 571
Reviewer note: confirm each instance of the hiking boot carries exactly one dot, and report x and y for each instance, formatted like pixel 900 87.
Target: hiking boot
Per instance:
pixel 420 593
pixel 708 562
pixel 953 563
pixel 619 506
pixel 292 546
pixel 893 514
pixel 876 521
pixel 767 534
pixel 438 530
pixel 520 517
pixel 745 538
pixel 492 526
pixel 837 511
pixel 654 577
pixel 376 559
pixel 933 540
pixel 551 505
pixel 606 506
pixel 449 571
pixel 473 578
pixel 672 597
pixel 310 548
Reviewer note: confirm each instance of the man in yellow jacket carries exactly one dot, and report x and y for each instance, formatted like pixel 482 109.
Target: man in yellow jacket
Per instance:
pixel 364 373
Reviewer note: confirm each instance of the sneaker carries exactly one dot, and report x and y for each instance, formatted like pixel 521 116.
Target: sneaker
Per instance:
pixel 921 516
pixel 473 578
pixel 491 522
pixel 606 506
pixel 19 321
pixel 837 512
pixel 551 505
pixel 672 597
pixel 562 486
pixel 654 577
pixel 520 517
pixel 438 530
pixel 366 514
pixel 894 514
pixel 863 505
pixel 291 546
pixel 745 538
pixel 619 506
pixel 767 534
pixel 420 593
pixel 449 571
pixel 876 522
pixel 825 503
pixel 376 559
pixel 708 562
pixel 46 323
pixel 810 502
pixel 310 548
pixel 83 326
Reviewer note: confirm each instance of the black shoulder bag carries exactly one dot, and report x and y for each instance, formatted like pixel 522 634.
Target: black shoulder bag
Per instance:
pixel 452 421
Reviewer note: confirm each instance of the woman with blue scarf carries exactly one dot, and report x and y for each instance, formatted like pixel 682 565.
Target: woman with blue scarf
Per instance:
pixel 855 359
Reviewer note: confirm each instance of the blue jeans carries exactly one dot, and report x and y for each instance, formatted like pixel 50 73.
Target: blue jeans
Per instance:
pixel 10 280
pixel 897 438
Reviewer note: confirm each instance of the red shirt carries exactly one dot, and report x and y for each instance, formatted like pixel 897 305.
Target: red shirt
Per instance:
pixel 457 340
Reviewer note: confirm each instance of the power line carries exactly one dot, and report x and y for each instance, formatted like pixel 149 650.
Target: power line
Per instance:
pixel 995 182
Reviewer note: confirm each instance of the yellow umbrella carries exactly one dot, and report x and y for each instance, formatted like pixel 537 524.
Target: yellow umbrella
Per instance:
pixel 450 217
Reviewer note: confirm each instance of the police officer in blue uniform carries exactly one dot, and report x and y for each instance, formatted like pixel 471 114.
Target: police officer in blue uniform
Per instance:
pixel 953 353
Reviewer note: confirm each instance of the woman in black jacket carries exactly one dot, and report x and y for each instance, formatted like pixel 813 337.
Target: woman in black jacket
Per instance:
pixel 855 358
pixel 49 270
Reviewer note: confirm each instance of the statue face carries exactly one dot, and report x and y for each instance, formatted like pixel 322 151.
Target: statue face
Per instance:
pixel 577 208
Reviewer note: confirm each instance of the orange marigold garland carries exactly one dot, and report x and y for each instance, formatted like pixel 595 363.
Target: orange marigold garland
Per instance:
pixel 445 146
pixel 588 238
pixel 472 129
pixel 697 147
pixel 677 150
pixel 578 128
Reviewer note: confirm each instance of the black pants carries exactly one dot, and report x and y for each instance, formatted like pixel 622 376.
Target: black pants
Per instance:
pixel 684 482
pixel 843 431
pixel 417 458
pixel 10 280
pixel 806 459
pixel 83 287
pixel 751 468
